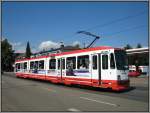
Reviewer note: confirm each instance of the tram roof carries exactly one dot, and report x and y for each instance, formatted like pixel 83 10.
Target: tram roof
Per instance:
pixel 69 52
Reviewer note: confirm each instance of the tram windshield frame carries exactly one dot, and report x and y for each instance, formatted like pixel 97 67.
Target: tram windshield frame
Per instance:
pixel 121 60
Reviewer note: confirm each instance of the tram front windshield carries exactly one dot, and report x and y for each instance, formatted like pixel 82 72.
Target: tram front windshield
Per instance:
pixel 121 60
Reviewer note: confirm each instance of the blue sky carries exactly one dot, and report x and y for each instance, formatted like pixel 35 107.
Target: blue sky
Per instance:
pixel 44 23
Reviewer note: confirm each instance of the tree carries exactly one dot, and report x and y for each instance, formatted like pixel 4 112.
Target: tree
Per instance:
pixel 128 47
pixel 139 45
pixel 28 51
pixel 7 56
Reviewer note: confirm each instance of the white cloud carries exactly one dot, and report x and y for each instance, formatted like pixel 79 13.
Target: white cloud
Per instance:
pixel 76 43
pixel 18 47
pixel 21 48
pixel 46 45
pixel 16 44
pixel 34 50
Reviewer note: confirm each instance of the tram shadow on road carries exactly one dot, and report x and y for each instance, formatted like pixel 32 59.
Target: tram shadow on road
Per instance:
pixel 101 89
pixel 81 87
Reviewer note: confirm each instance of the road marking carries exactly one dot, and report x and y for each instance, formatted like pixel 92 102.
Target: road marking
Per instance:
pixel 98 101
pixel 51 90
pixel 73 109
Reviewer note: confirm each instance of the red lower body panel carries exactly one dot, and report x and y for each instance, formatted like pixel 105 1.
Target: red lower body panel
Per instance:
pixel 113 84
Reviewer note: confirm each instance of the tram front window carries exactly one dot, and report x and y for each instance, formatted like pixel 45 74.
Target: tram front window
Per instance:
pixel 121 60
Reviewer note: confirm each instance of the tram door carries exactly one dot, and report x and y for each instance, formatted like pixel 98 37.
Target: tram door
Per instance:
pixel 96 69
pixel 105 66
pixel 61 68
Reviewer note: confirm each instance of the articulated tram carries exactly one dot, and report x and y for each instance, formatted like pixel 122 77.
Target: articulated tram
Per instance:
pixel 103 67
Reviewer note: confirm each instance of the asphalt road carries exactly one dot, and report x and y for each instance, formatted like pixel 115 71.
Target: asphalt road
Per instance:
pixel 20 94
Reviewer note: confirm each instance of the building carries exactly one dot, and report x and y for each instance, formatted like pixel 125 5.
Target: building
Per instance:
pixel 138 57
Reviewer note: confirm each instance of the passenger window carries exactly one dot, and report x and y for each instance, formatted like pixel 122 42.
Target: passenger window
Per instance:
pixel 112 61
pixel 25 65
pixel 41 64
pixel 105 61
pixel 58 63
pixel 83 62
pixel 21 65
pixel 94 59
pixel 36 64
pixel 17 67
pixel 71 63
pixel 52 64
pixel 31 65
pixel 63 63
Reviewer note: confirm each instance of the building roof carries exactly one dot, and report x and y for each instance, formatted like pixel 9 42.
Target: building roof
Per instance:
pixel 138 50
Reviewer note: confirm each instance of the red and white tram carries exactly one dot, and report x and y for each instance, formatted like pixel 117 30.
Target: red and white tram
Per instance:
pixel 104 67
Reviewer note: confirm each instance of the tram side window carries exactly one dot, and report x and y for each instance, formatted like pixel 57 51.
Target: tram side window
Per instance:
pixel 18 65
pixel 83 62
pixel 63 63
pixel 31 65
pixel 112 61
pixel 105 61
pixel 22 66
pixel 36 65
pixel 52 64
pixel 58 63
pixel 41 64
pixel 71 63
pixel 94 61
pixel 25 65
